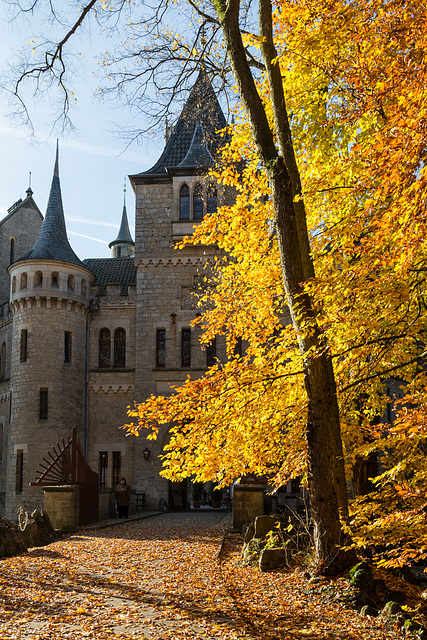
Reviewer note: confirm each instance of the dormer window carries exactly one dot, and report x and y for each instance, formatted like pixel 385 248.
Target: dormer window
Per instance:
pixel 184 203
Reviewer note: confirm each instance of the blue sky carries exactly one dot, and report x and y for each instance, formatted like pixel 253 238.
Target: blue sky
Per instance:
pixel 93 162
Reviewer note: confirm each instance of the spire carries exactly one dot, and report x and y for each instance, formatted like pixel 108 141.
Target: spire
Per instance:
pixel 123 246
pixel 52 243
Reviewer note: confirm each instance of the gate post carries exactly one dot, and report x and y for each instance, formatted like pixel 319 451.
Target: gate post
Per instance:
pixel 62 506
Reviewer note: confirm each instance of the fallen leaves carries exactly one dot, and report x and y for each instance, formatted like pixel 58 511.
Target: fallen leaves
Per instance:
pixel 161 579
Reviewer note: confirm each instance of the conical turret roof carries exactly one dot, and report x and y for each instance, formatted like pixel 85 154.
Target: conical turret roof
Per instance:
pixel 52 243
pixel 202 108
pixel 124 235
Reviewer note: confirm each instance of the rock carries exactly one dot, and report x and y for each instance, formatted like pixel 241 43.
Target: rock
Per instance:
pixel 391 609
pixel 361 576
pixel 264 524
pixel 251 550
pixel 249 533
pixel 367 610
pixel 271 559
pixel 11 540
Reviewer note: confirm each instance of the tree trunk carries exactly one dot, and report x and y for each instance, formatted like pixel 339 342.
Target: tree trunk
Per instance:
pixel 327 484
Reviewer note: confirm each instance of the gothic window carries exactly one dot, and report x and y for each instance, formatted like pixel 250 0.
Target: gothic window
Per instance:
pixel 38 279
pixel 212 199
pixel 12 250
pixel 70 283
pixel 161 348
pixel 55 280
pixel 103 468
pixel 3 361
pixel 104 349
pixel 23 284
pixel 197 202
pixel 67 346
pixel 186 348
pixel 43 409
pixel 119 348
pixel 184 203
pixel 23 346
pixel 211 353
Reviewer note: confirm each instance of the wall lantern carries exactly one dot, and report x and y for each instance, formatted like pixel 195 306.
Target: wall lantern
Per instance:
pixel 146 453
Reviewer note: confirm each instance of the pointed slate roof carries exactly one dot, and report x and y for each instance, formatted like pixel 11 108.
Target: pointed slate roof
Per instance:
pixel 124 235
pixel 202 107
pixel 52 243
pixel 198 155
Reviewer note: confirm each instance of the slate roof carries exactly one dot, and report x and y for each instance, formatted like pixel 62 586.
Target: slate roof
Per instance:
pixel 201 107
pixel 112 271
pixel 198 155
pixel 124 235
pixel 52 243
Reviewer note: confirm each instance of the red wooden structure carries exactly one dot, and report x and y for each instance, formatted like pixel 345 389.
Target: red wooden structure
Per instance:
pixel 66 465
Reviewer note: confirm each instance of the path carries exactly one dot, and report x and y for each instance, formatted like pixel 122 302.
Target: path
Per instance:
pixel 161 579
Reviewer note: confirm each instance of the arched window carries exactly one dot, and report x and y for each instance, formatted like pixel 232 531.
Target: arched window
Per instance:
pixel 12 250
pixel 104 349
pixel 70 283
pixel 23 281
pixel 13 284
pixel 55 280
pixel 3 361
pixel 38 279
pixel 212 199
pixel 197 202
pixel 184 203
pixel 119 348
pixel 84 287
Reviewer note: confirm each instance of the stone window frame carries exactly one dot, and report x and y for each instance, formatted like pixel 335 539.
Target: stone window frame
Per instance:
pixel 160 348
pixel 185 347
pixel 194 184
pixel 119 348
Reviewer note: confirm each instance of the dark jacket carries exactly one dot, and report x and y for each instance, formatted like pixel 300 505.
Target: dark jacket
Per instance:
pixel 122 495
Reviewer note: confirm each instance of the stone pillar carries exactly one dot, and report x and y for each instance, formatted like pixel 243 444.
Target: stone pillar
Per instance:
pixel 248 502
pixel 62 506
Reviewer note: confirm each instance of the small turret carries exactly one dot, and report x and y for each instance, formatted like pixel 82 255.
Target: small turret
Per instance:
pixel 123 246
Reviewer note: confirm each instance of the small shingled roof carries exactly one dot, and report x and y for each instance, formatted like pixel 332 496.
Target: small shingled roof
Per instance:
pixel 120 271
pixel 124 235
pixel 52 243
pixel 201 107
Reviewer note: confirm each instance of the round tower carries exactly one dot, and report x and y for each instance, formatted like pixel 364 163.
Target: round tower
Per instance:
pixel 50 300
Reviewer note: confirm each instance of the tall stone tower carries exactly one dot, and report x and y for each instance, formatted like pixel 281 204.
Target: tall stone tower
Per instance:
pixel 50 300
pixel 171 200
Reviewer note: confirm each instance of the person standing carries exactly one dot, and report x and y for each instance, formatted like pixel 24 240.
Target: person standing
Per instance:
pixel 122 497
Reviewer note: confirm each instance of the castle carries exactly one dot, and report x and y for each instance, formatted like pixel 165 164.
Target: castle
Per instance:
pixel 81 340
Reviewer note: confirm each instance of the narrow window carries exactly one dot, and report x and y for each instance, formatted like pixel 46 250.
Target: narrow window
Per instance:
pixel 23 281
pixel 38 279
pixel 104 349
pixel 212 199
pixel 13 284
pixel 67 346
pixel 43 404
pixel 184 203
pixel 24 346
pixel 10 407
pixel 198 202
pixel 19 471
pixel 70 283
pixel 161 348
pixel 186 348
pixel 119 348
pixel 12 250
pixel 3 361
pixel 84 287
pixel 117 467
pixel 103 468
pixel 211 353
pixel 55 280
pixel 1 441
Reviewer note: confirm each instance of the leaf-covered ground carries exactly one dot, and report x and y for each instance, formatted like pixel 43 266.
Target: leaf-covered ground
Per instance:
pixel 165 577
